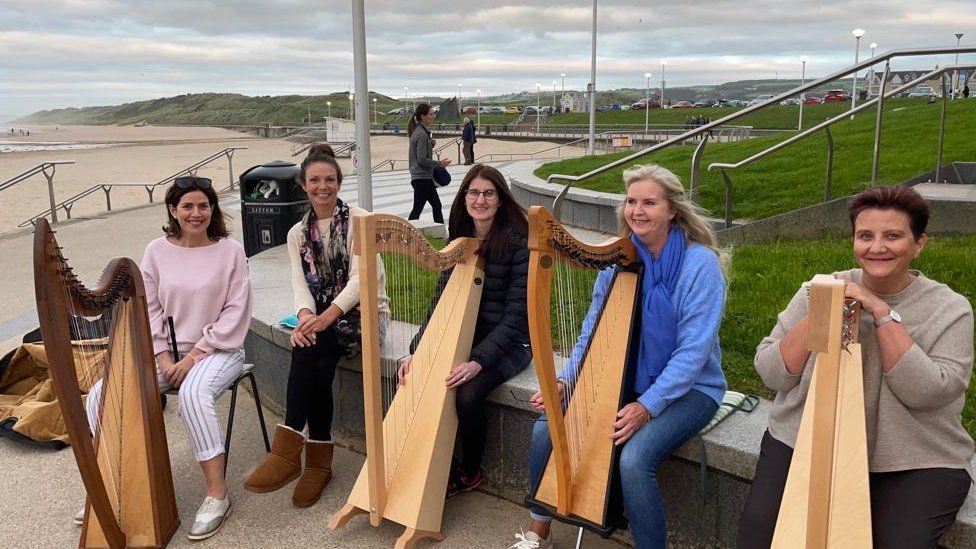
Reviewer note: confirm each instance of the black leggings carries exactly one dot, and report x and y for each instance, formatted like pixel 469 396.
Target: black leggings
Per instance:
pixel 909 509
pixel 424 191
pixel 472 420
pixel 310 385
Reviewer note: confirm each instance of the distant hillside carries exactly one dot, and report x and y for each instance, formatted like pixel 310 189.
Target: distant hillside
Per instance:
pixel 232 108
pixel 210 109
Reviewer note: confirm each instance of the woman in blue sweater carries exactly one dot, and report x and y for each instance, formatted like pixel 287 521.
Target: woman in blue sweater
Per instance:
pixel 676 384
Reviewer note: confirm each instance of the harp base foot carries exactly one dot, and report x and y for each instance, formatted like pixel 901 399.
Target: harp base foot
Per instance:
pixel 342 516
pixel 411 536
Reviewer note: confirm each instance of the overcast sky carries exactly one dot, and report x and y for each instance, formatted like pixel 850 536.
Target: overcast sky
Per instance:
pixel 73 53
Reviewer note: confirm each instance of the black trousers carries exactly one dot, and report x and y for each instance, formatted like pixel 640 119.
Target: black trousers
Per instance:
pixel 468 153
pixel 310 385
pixel 909 509
pixel 424 191
pixel 472 420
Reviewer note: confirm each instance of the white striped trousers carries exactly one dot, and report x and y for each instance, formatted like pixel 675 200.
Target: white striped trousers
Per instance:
pixel 205 381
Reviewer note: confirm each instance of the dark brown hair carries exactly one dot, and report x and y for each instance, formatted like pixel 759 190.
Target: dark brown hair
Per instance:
pixel 418 112
pixel 509 220
pixel 217 228
pixel 895 197
pixel 320 152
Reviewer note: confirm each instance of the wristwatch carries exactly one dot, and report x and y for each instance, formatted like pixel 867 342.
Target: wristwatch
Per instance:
pixel 892 316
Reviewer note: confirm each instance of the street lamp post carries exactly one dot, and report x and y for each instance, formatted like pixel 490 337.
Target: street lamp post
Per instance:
pixel 874 46
pixel 663 63
pixel 460 105
pixel 647 102
pixel 329 104
pixel 406 101
pixel 803 95
pixel 563 98
pixel 553 96
pixel 478 93
pixel 858 33
pixel 538 85
pixel 352 113
pixel 955 73
pixel 374 111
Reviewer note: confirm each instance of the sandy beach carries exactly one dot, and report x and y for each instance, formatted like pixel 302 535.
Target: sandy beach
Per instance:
pixel 147 154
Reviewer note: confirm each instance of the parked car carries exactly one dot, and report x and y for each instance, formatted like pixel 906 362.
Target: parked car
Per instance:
pixel 471 110
pixel 811 100
pixel 761 99
pixel 497 110
pixel 705 103
pixel 398 111
pixel 643 104
pixel 682 105
pixel 925 92
pixel 790 101
pixel 836 96
pixel 512 110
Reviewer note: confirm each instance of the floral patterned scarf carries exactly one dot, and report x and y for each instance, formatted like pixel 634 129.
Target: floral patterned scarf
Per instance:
pixel 327 270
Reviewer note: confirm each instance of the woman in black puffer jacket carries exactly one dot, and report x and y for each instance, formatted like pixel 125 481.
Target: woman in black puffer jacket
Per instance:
pixel 485 209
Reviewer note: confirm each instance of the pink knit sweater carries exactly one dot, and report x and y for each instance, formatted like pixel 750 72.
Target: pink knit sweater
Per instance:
pixel 206 290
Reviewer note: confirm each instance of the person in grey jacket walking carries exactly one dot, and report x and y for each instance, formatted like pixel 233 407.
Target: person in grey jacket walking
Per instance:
pixel 422 163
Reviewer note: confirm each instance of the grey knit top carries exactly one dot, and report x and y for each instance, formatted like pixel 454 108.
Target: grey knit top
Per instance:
pixel 913 412
pixel 420 155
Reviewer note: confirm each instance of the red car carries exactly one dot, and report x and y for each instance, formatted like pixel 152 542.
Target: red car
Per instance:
pixel 682 105
pixel 811 101
pixel 836 96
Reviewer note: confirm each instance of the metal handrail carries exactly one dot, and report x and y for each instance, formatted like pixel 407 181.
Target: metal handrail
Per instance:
pixel 455 141
pixel 69 203
pixel 857 67
pixel 40 168
pixel 511 156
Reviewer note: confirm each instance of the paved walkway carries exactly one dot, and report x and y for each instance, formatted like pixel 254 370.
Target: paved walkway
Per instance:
pixel 41 489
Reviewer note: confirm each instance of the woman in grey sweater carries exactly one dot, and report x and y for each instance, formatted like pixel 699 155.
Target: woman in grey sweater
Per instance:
pixel 422 163
pixel 917 355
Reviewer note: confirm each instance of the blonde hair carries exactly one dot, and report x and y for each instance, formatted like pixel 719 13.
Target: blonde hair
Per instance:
pixel 687 215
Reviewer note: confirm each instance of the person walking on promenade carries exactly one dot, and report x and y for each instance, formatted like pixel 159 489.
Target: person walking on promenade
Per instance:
pixel 421 161
pixel 325 285
pixel 469 139
pixel 198 277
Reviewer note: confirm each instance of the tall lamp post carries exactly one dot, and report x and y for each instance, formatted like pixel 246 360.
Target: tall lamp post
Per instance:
pixel 538 85
pixel 352 113
pixel 591 142
pixel 874 46
pixel 308 111
pixel 553 96
pixel 374 111
pixel 647 102
pixel 563 98
pixel 955 73
pixel 803 94
pixel 663 63
pixel 858 33
pixel 329 104
pixel 406 101
pixel 460 105
pixel 478 93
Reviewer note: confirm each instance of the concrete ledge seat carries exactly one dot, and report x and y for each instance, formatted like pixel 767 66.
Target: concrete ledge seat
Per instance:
pixel 732 447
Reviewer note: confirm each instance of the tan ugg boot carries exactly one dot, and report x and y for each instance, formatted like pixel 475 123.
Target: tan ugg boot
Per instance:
pixel 317 474
pixel 282 465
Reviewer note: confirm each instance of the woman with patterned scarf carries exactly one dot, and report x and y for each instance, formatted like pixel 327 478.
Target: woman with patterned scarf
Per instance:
pixel 325 281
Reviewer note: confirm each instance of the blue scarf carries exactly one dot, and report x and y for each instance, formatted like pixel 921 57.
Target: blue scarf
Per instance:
pixel 659 319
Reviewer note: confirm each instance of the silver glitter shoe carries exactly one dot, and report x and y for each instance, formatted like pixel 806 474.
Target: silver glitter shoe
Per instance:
pixel 210 517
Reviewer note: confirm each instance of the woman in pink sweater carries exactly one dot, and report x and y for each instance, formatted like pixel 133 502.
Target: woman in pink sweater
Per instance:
pixel 198 277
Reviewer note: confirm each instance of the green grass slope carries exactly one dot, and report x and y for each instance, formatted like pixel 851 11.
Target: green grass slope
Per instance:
pixel 794 177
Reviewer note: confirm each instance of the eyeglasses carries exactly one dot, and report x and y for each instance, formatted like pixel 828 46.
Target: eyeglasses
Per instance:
pixel 188 181
pixel 489 194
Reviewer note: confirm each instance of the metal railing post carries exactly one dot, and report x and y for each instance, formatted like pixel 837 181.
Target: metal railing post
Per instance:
pixel 107 189
pixel 942 117
pixel 230 166
pixel 695 171
pixel 728 200
pixel 828 181
pixel 877 125
pixel 50 190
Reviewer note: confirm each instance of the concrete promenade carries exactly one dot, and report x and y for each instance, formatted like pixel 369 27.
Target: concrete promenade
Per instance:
pixel 41 489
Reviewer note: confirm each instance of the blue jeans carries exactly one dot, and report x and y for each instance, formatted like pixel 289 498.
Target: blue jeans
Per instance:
pixel 639 459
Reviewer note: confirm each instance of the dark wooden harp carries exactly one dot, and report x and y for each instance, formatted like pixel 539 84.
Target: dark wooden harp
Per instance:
pixel 826 502
pixel 578 484
pixel 124 464
pixel 408 450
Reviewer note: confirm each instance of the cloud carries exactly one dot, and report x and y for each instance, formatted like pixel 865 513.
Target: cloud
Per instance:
pixel 58 53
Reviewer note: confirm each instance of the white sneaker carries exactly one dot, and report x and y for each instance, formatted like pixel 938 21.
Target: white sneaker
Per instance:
pixel 531 540
pixel 210 517
pixel 79 517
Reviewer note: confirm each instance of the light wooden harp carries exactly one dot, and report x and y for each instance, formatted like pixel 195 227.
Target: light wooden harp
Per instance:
pixel 124 463
pixel 826 502
pixel 409 448
pixel 580 483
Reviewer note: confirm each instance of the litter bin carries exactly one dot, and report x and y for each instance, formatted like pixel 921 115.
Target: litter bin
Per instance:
pixel 271 202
